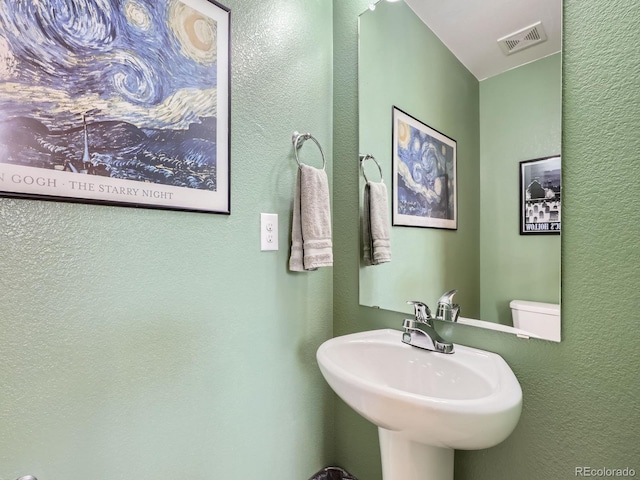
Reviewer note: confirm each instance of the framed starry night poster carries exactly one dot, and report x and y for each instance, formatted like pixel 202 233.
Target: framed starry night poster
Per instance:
pixel 122 102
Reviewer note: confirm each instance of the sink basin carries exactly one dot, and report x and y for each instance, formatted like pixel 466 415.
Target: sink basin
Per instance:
pixel 426 404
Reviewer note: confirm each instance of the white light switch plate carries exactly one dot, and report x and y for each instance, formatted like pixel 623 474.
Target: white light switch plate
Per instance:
pixel 268 231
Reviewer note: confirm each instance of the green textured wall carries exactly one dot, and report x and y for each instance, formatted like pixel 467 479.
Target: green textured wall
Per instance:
pixel 581 404
pixel 433 86
pixel 122 344
pixel 520 119
pixel 161 345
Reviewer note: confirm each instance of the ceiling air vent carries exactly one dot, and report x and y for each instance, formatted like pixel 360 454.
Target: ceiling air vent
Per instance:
pixel 525 38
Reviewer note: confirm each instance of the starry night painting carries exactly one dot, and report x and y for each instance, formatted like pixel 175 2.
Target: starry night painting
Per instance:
pixel 424 175
pixel 116 101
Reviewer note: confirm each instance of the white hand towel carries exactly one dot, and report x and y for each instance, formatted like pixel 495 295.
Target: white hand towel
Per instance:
pixel 375 224
pixel 311 245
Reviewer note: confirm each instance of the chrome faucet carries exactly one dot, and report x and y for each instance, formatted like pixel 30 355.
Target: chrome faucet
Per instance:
pixel 420 331
pixel 447 310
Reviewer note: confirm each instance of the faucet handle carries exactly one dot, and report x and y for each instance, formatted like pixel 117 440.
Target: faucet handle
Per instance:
pixel 447 297
pixel 422 312
pixel 447 310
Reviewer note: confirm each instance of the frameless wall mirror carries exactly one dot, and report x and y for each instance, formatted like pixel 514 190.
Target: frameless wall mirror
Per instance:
pixel 483 78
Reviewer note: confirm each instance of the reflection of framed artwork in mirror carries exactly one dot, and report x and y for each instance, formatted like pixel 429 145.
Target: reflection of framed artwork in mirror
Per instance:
pixel 424 178
pixel 540 196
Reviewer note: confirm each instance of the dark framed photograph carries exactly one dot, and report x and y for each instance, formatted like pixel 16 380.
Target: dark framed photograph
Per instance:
pixel 123 102
pixel 425 187
pixel 540 196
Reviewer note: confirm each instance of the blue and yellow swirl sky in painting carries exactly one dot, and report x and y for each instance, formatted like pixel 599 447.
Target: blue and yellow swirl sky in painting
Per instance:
pixel 149 63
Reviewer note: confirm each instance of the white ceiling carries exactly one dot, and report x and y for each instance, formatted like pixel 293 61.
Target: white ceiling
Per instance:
pixel 471 28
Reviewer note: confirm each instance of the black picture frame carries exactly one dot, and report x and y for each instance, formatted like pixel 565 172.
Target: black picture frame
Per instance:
pixel 540 196
pixel 135 110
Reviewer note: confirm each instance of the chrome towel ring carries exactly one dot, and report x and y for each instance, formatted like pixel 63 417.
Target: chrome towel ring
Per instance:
pixel 364 158
pixel 298 139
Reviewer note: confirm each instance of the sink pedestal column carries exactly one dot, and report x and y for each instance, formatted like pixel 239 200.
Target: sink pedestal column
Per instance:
pixel 404 459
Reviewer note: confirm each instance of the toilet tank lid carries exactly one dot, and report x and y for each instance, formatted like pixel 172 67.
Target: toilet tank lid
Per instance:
pixel 538 307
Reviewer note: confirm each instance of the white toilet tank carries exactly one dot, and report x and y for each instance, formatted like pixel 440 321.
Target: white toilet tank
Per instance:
pixel 540 319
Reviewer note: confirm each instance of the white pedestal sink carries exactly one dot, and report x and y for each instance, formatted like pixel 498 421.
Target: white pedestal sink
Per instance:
pixel 425 404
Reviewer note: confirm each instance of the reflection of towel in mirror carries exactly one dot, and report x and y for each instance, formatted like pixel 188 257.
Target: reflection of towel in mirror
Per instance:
pixel 375 224
pixel 311 245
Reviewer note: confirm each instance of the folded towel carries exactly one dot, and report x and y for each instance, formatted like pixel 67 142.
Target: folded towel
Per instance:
pixel 311 245
pixel 375 224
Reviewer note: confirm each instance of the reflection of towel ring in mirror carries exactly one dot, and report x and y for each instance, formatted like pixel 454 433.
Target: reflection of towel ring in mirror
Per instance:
pixel 366 157
pixel 298 139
